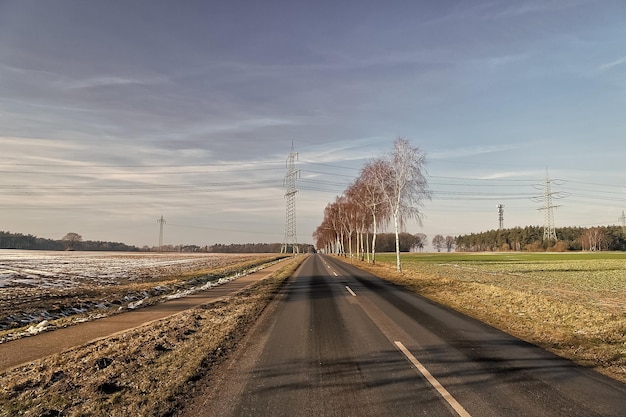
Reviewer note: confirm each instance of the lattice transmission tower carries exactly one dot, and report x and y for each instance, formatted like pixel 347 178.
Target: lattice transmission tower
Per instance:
pixel 500 216
pixel 549 231
pixel 161 222
pixel 623 220
pixel 289 182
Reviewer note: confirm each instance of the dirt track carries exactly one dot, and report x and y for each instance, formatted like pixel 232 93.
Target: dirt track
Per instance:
pixel 27 349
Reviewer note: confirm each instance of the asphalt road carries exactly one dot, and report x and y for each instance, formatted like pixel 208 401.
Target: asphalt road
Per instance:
pixel 340 342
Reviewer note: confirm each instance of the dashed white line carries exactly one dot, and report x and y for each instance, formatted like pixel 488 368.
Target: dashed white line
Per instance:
pixel 350 291
pixel 433 381
pixel 334 273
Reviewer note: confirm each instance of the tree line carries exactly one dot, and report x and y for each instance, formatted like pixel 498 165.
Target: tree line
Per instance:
pixel 74 241
pixel 530 238
pixel 386 242
pixel 10 240
pixel 256 248
pixel 390 189
pixel 230 248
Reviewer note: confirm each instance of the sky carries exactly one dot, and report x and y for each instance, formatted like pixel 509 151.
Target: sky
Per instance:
pixel 114 113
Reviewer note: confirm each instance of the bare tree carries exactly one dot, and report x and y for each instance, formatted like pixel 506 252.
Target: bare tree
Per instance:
pixel 420 241
pixel 372 196
pixel 593 239
pixel 402 182
pixel 438 242
pixel 332 213
pixel 356 194
pixel 71 239
pixel 449 243
pixel 348 219
pixel 325 236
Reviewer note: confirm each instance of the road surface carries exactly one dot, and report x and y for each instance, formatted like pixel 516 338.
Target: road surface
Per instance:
pixel 341 342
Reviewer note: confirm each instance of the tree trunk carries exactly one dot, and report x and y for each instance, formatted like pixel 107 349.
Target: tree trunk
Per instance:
pixel 374 242
pixel 350 243
pixel 367 246
pixel 395 225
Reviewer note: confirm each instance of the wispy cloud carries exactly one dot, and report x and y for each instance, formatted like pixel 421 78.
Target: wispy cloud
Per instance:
pixel 493 10
pixel 504 60
pixel 108 81
pixel 508 174
pixel 612 64
pixel 345 151
pixel 525 8
pixel 472 151
pixel 235 125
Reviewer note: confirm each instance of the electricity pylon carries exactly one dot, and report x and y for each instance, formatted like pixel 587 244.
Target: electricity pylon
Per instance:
pixel 161 222
pixel 549 231
pixel 290 194
pixel 623 220
pixel 501 216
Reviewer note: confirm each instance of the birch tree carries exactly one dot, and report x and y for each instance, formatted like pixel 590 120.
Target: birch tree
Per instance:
pixel 356 194
pixel 403 185
pixel 372 197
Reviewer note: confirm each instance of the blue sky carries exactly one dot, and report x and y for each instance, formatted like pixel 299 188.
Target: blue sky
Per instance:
pixel 113 113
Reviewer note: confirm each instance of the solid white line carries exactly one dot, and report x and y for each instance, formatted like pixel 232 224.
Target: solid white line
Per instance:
pixel 350 291
pixel 433 381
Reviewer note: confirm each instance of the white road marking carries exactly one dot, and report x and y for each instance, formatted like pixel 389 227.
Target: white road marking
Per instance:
pixel 433 381
pixel 335 274
pixel 350 291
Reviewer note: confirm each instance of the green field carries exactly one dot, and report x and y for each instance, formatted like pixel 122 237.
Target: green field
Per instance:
pixel 571 303
pixel 595 277
pixel 507 257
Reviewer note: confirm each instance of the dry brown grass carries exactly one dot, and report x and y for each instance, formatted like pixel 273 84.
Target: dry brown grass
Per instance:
pixel 142 372
pixel 583 322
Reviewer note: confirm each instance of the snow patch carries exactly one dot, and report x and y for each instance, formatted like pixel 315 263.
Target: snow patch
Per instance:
pixel 41 327
pixel 135 304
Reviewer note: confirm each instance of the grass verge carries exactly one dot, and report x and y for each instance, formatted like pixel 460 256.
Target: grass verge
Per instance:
pixel 144 371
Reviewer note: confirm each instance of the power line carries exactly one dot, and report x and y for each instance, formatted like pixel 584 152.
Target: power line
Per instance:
pixel 219 229
pixel 147 165
pixel 480 179
pixel 330 165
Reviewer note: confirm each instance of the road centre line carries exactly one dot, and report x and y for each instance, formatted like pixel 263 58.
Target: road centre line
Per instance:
pixel 433 381
pixel 350 291
pixel 334 273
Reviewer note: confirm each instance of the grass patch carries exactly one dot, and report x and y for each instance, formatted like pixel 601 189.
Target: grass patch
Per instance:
pixel 570 303
pixel 144 371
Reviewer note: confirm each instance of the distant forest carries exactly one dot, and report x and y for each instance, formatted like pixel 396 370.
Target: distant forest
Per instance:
pixel 10 240
pixel 256 248
pixel 530 238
